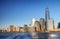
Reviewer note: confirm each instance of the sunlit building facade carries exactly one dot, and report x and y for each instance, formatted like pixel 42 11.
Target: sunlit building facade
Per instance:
pixel 18 29
pixel 50 24
pixel 12 28
pixel 33 21
pixel 37 26
pixel 21 29
pixel 26 28
pixel 42 23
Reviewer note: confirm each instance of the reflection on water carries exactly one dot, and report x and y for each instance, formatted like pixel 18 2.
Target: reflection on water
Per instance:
pixel 53 35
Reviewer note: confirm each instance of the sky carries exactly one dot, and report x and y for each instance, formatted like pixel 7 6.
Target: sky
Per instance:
pixel 20 12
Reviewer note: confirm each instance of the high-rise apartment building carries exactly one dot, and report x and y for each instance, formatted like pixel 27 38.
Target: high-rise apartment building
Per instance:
pixel 26 28
pixel 42 23
pixel 18 29
pixel 33 22
pixel 12 28
pixel 50 24
pixel 37 26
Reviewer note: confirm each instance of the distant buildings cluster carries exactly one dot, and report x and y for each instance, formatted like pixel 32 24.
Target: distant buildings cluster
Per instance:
pixel 43 25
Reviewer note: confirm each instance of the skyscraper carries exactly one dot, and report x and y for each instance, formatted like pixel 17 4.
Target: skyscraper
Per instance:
pixel 11 28
pixel 50 24
pixel 37 26
pixel 42 23
pixel 48 21
pixel 47 16
pixel 33 22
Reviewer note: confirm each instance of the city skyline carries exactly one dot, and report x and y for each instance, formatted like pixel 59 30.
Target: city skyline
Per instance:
pixel 21 12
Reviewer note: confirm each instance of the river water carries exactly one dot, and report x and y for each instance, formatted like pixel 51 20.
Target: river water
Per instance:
pixel 45 35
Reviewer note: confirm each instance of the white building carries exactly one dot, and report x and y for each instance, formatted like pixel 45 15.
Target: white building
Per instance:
pixel 17 29
pixel 33 22
pixel 8 29
pixel 32 25
pixel 50 24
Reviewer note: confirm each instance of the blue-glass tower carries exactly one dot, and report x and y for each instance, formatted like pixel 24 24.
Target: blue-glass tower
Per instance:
pixel 47 16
